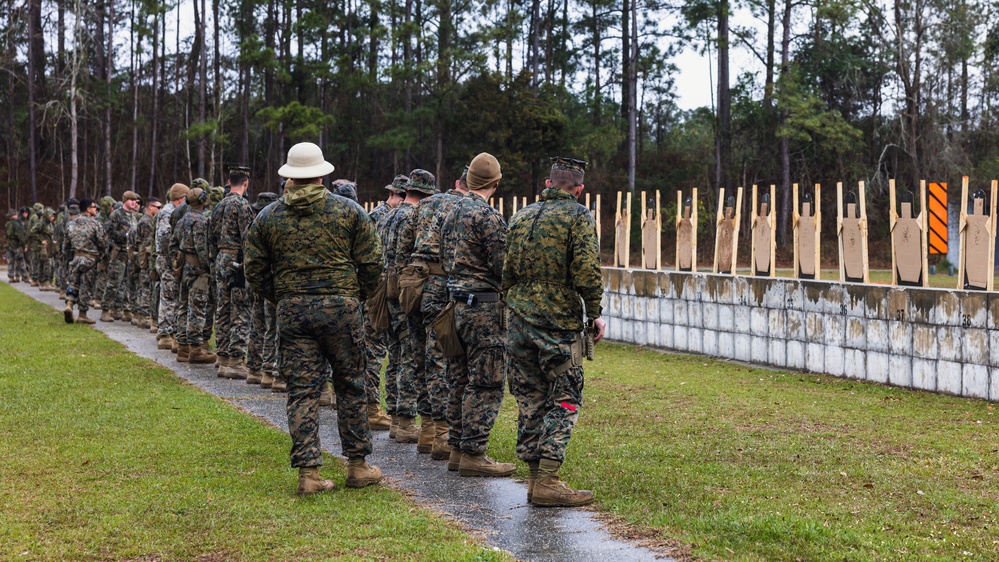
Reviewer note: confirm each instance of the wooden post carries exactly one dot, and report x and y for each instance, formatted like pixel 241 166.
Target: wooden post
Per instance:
pixel 501 207
pixel 596 216
pixel 892 221
pixel 735 229
pixel 773 230
pixel 693 234
pixel 622 238
pixel 863 230
pixel 718 221
pixel 924 223
pixel 659 231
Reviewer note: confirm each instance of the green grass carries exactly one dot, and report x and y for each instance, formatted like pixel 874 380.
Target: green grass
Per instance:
pixel 753 464
pixel 108 456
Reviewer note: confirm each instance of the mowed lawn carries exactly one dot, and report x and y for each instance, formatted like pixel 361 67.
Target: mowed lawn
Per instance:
pixel 743 463
pixel 108 456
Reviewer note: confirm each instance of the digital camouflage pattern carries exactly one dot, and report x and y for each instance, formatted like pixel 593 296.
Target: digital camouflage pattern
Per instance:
pixel 166 315
pixel 473 245
pixel 317 332
pixel 227 228
pixel 86 241
pixel 546 282
pixel 142 239
pixel 116 290
pixel 262 339
pixel 41 239
pixel 195 294
pixel 548 409
pixel 380 211
pixel 546 304
pixel 16 240
pixel 311 242
pixel 397 329
pixel 374 357
pixel 317 256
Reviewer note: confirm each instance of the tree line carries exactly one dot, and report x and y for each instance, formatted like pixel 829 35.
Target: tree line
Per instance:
pixel 100 96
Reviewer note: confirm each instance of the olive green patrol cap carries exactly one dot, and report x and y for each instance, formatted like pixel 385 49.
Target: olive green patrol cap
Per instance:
pixel 264 199
pixel 422 181
pixel 568 164
pixel 130 196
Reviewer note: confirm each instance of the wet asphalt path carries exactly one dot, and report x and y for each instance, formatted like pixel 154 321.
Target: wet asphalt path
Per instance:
pixel 493 508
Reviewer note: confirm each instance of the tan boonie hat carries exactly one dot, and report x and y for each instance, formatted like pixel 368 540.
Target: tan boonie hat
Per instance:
pixel 305 161
pixel 130 196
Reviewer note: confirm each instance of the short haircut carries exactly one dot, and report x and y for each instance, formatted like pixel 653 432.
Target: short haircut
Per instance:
pixel 565 179
pixel 237 178
pixel 463 180
pixel 151 201
pixel 86 203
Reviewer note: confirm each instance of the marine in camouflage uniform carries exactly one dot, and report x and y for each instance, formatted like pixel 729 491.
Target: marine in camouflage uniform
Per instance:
pixel 119 223
pixel 473 245
pixel 378 345
pixel 413 396
pixel 195 293
pixel 430 215
pixel 69 211
pixel 166 315
pixel 317 257
pixel 174 251
pixel 262 339
pixel 106 206
pixel 14 230
pixel 33 252
pixel 41 238
pixel 230 220
pixel 85 242
pixel 552 282
pixel 142 241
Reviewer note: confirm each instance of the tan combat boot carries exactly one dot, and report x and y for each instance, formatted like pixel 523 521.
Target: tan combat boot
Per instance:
pixel 145 322
pixel 361 474
pixel 407 432
pixel 176 346
pixel 83 319
pixel 116 314
pixel 237 368
pixel 62 295
pixel 128 317
pixel 454 461
pixel 483 465
pixel 34 283
pixel 46 286
pixel 106 316
pixel 532 466
pixel 266 380
pixel 165 342
pixel 254 377
pixel 309 482
pixel 441 450
pixel 183 353
pixel 550 491
pixel 222 364
pixel 67 312
pixel 377 419
pixel 201 356
pixel 279 385
pixel 326 398
pixel 95 305
pixel 428 430
pixel 153 326
pixel 394 426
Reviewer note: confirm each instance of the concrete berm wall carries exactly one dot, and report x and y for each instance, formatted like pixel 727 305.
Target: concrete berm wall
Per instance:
pixel 938 340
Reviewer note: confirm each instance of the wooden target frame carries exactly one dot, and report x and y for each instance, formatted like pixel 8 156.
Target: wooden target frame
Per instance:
pixel 764 234
pixel 727 233
pixel 686 243
pixel 852 234
pixel 652 229
pixel 978 241
pixel 622 232
pixel 908 240
pixel 807 235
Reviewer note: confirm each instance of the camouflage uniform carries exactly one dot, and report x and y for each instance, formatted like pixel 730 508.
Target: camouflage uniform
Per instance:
pixel 116 290
pixel 473 243
pixel 143 285
pixel 106 206
pixel 262 338
pixel 14 230
pixel 430 215
pixel 317 256
pixel 41 238
pixel 396 329
pixel 166 315
pixel 227 228
pixel 195 288
pixel 85 241
pixel 552 271
pixel 61 261
pixel 33 247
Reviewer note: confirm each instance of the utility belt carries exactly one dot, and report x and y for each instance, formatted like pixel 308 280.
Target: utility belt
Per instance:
pixel 471 299
pixel 116 252
pixel 228 251
pixel 86 255
pixel 435 268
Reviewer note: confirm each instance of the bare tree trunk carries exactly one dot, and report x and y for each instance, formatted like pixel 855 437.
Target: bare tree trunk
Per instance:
pixel 203 88
pixel 154 142
pixel 535 34
pixel 107 106
pixel 135 63
pixel 74 132
pixel 723 138
pixel 36 73
pixel 633 101
pixel 784 218
pixel 10 107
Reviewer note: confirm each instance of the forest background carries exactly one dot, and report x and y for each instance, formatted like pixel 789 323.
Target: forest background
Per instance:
pixel 108 95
